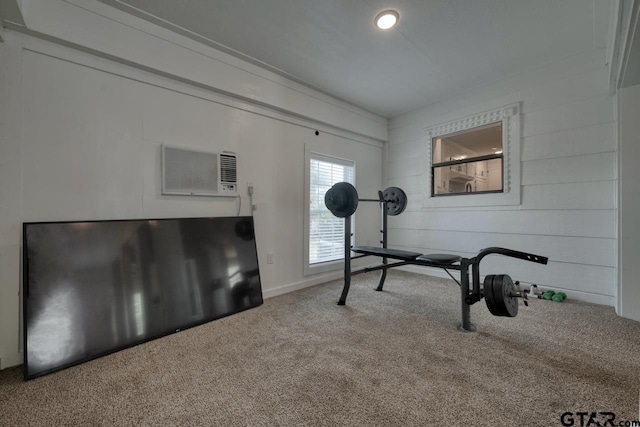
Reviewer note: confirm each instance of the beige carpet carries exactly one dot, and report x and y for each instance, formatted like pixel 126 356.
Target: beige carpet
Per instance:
pixel 388 359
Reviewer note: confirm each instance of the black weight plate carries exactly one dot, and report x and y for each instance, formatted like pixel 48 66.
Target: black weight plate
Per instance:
pixel 489 297
pixel 505 292
pixel 396 200
pixel 341 199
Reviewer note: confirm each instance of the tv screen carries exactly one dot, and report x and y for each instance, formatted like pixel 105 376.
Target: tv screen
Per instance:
pixel 92 288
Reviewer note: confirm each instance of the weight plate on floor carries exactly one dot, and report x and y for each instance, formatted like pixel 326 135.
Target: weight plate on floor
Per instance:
pixel 502 295
pixel 341 199
pixel 396 200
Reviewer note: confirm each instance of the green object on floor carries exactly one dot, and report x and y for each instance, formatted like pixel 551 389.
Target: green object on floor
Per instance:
pixel 548 295
pixel 559 297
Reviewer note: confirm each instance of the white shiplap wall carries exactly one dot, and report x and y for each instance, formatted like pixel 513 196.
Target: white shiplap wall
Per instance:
pixel 568 180
pixel 629 203
pixel 80 139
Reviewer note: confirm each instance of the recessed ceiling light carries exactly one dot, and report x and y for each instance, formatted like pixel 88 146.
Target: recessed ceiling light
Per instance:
pixel 387 19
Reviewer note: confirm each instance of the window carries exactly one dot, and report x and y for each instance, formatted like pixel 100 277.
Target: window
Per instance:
pixel 325 231
pixel 469 161
pixel 476 159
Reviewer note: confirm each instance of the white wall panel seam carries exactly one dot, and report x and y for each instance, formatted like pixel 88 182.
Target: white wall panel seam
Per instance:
pixel 293 120
pixel 500 233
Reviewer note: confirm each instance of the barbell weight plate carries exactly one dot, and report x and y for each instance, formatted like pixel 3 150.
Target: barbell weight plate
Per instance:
pixel 505 291
pixel 489 297
pixel 341 199
pixel 396 200
pixel 500 295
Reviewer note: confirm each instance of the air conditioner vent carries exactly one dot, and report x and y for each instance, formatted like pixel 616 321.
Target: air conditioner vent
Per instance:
pixel 228 168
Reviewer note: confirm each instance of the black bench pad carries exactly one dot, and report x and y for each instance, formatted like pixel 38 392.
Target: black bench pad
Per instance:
pixel 439 259
pixel 389 253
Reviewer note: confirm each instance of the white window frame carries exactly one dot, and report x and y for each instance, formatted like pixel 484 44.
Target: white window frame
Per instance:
pixel 509 115
pixel 329 265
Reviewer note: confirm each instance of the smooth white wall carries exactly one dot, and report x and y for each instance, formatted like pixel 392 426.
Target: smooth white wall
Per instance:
pixel 629 134
pixel 80 140
pixel 568 206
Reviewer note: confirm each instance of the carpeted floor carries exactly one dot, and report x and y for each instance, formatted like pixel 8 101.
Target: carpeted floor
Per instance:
pixel 392 358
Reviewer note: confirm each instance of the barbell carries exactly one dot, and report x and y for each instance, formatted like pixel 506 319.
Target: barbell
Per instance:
pixel 342 200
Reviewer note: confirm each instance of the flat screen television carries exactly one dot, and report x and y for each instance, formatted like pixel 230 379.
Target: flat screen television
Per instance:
pixel 95 287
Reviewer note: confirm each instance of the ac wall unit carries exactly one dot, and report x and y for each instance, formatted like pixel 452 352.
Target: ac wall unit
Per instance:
pixel 198 173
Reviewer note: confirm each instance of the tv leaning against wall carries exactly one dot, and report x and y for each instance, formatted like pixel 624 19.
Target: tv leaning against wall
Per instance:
pixel 95 287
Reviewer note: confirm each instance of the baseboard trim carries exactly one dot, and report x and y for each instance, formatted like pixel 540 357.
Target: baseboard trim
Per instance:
pixel 291 287
pixel 608 300
pixel 11 360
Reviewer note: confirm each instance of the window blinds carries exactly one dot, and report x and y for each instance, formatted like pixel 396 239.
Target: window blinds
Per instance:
pixel 326 232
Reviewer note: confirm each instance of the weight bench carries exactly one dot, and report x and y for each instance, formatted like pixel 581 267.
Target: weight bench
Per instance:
pixel 499 291
pixel 501 303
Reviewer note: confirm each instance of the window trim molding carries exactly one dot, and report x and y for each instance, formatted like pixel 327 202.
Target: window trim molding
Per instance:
pixel 509 115
pixel 328 266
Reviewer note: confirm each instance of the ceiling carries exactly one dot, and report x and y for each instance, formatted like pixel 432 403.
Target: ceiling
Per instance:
pixel 438 49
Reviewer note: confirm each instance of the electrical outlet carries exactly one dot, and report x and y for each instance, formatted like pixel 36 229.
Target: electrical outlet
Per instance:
pixel 250 187
pixel 270 258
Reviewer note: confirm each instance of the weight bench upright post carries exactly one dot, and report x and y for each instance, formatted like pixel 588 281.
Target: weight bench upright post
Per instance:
pixel 347 260
pixel 383 232
pixel 466 325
